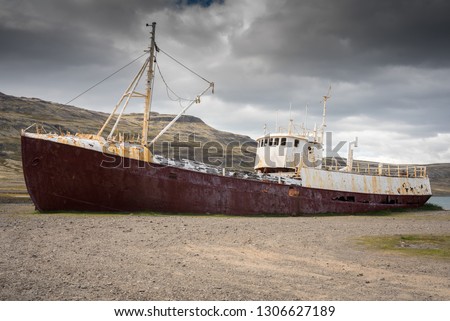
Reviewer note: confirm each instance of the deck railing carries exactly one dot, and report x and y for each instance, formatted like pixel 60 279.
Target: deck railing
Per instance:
pixel 379 169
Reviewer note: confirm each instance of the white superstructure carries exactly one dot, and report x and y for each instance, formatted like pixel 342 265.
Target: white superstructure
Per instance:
pixel 299 156
pixel 285 152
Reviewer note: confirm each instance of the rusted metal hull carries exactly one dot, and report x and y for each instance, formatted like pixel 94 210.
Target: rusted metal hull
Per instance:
pixel 60 177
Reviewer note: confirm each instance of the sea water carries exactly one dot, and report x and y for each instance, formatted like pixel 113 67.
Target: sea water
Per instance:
pixel 443 201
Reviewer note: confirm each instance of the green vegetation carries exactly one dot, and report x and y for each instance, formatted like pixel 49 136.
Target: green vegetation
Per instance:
pixel 416 245
pixel 425 207
pixel 391 212
pixel 431 207
pixel 12 187
pixel 439 178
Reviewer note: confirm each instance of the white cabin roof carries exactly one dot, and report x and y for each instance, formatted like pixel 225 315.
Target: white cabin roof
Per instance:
pixel 308 138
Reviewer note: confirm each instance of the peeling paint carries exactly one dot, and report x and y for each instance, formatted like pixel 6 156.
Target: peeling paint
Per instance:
pixel 356 183
pixel 65 173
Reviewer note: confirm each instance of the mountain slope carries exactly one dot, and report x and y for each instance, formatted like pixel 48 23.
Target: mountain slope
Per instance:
pixel 189 138
pixel 20 113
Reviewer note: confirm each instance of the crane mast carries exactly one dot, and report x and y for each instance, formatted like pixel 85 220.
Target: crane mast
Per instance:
pixel 148 94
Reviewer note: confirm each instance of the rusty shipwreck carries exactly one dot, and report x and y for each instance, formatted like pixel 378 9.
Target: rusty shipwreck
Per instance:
pixel 85 172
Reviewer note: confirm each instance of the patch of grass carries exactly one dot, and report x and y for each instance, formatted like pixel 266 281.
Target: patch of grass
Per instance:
pixel 431 207
pixel 15 198
pixel 160 214
pixel 411 244
pixel 389 212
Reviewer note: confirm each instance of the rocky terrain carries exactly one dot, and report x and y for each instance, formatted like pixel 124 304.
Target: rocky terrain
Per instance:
pixel 168 257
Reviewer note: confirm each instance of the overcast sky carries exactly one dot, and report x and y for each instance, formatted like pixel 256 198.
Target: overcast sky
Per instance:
pixel 388 63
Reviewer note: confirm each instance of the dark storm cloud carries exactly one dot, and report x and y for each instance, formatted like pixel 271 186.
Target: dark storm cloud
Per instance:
pixel 202 3
pixel 388 52
pixel 314 37
pixel 388 61
pixel 49 33
pixel 53 48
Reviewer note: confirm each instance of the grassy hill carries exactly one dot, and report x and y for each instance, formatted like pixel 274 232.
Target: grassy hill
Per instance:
pixel 19 113
pixel 212 146
pixel 439 175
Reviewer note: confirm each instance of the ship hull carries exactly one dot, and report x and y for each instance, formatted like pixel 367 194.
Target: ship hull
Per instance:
pixel 61 177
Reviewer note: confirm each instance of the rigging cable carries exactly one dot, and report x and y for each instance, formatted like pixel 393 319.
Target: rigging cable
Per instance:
pixel 178 62
pixel 168 89
pixel 98 83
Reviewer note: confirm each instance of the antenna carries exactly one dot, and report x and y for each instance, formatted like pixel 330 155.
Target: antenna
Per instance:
pixel 325 98
pixel 290 119
pixel 306 118
pixel 276 123
pixel 290 111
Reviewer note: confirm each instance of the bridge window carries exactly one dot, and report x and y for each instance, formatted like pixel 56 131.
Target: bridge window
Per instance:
pixel 276 141
pixel 296 142
pixel 265 142
pixel 283 142
pixel 270 141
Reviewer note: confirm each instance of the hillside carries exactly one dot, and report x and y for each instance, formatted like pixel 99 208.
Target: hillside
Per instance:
pixel 19 113
pixel 212 146
pixel 440 178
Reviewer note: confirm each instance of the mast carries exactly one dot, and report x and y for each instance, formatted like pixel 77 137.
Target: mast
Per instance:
pixel 148 94
pixel 276 124
pixel 291 121
pixel 130 92
pixel 325 98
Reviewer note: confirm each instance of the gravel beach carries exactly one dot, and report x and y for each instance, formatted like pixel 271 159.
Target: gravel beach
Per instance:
pixel 168 257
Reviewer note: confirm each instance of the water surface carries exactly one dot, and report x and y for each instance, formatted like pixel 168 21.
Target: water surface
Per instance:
pixel 443 201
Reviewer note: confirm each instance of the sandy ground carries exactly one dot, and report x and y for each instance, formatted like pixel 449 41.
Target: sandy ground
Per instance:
pixel 132 257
